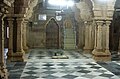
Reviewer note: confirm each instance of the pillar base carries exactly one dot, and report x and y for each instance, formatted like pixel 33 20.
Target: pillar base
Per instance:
pixel 25 49
pixel 3 72
pixel 101 56
pixel 87 50
pixel 16 57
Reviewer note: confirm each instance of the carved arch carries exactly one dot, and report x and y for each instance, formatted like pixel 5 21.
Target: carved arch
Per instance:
pixel 55 34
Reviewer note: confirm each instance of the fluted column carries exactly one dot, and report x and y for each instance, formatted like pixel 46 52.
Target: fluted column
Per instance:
pixel 88 37
pixel 99 54
pixel 107 36
pixel 25 48
pixel 3 70
pixel 99 35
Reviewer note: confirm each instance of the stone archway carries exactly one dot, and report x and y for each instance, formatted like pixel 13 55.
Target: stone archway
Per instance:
pixel 52 34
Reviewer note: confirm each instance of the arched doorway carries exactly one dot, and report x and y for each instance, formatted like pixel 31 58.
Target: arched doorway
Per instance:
pixel 52 34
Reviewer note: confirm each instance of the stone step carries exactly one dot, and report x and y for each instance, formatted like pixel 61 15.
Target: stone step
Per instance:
pixel 68 29
pixel 69 34
pixel 69 37
pixel 69 47
pixel 69 40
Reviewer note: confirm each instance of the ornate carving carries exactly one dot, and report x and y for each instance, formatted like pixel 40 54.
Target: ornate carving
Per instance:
pixel 103 10
pixel 85 10
pixel 3 70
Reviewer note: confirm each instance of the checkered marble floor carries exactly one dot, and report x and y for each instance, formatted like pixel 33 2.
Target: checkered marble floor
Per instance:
pixel 40 65
pixel 78 66
pixel 65 69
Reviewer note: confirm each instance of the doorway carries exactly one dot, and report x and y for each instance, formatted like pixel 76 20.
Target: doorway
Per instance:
pixel 52 34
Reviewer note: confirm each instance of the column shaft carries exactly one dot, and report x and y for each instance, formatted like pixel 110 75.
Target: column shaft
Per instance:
pixel 86 36
pixel 10 46
pixel 3 70
pixel 25 36
pixel 95 41
pixel 90 36
pixel 1 40
pixel 99 35
pixel 107 36
pixel 19 35
pixel 87 47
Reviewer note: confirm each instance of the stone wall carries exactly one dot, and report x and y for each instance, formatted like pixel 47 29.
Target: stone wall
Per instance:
pixel 36 37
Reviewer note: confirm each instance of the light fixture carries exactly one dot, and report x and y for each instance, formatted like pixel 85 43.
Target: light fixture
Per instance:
pixel 61 2
pixel 70 3
pixel 102 0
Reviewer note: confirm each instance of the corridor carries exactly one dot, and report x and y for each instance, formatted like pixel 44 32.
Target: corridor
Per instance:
pixel 40 65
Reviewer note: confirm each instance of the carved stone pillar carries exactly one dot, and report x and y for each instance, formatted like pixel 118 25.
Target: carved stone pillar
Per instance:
pixel 86 47
pixel 99 35
pixel 3 70
pixel 17 55
pixel 10 46
pixel 24 36
pixel 88 37
pixel 99 54
pixel 95 38
pixel 19 52
pixel 107 37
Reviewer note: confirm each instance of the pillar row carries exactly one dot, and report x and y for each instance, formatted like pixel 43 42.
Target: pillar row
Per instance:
pixel 101 53
pixel 19 54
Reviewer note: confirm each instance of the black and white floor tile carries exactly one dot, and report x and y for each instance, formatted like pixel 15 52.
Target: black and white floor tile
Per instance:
pixel 40 65
pixel 65 69
pixel 15 69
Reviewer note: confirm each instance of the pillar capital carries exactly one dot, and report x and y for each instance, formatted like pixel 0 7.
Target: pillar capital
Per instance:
pixel 99 23
pixel 108 23
pixel 10 19
pixel 87 23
